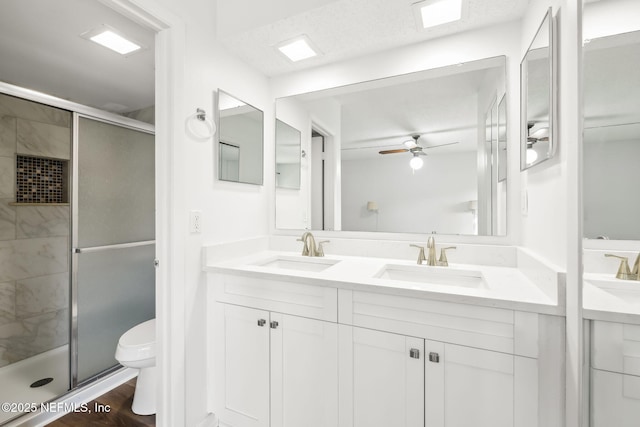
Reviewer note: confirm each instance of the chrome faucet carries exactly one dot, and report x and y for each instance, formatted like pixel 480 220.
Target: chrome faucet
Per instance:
pixel 310 248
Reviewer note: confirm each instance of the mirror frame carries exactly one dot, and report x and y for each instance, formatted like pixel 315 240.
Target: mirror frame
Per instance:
pixel 503 129
pixel 218 141
pixel 553 142
pixel 436 72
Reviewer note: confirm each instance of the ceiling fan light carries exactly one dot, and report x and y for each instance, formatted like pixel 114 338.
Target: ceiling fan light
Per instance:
pixel 532 155
pixel 416 163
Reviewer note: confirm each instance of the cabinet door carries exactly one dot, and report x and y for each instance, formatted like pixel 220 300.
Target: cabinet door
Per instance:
pixel 241 378
pixel 467 387
pixel 615 399
pixel 304 372
pixel 382 385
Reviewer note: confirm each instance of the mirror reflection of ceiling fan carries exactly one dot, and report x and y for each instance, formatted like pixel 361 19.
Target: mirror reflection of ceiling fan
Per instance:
pixel 412 146
pixel 541 134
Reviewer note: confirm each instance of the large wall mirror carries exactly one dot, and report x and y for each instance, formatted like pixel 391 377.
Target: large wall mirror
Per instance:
pixel 240 140
pixel 611 149
pixel 537 74
pixel 611 209
pixel 406 154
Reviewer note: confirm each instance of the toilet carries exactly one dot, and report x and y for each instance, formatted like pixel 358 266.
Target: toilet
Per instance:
pixel 137 349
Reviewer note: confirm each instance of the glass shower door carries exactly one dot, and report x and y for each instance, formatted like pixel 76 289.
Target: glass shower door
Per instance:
pixel 113 238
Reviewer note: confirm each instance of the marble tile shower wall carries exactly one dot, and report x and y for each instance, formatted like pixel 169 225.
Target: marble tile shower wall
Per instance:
pixel 34 240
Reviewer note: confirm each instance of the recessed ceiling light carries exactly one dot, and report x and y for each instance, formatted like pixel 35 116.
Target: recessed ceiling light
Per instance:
pixel 297 49
pixel 431 13
pixel 111 39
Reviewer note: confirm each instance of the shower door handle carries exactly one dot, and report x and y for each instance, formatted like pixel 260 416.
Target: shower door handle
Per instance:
pixel 116 246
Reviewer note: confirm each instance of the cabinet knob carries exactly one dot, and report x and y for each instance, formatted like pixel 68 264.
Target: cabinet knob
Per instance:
pixel 273 324
pixel 261 322
pixel 434 357
pixel 414 353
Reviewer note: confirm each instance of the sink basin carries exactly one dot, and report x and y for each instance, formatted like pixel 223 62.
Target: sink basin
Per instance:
pixel 298 263
pixel 432 275
pixel 626 290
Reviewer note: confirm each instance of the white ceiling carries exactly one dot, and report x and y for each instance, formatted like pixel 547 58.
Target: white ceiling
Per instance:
pixel 41 49
pixel 340 29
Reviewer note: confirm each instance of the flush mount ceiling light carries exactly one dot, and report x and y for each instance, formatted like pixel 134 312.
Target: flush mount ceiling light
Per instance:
pixel 431 13
pixel 298 49
pixel 112 39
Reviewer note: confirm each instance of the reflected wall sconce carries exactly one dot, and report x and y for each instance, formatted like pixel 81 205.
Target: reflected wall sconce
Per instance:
pixel 372 206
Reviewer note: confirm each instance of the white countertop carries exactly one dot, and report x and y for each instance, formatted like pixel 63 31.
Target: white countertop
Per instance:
pixel 504 287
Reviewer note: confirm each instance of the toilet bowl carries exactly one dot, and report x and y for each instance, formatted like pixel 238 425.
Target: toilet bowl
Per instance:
pixel 137 349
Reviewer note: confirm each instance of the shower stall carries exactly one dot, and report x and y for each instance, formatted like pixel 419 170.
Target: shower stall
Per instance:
pixel 77 242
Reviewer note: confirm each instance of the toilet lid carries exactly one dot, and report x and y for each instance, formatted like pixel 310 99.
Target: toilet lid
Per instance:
pixel 143 334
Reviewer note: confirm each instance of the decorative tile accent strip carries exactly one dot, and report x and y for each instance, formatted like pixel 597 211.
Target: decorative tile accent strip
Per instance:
pixel 39 180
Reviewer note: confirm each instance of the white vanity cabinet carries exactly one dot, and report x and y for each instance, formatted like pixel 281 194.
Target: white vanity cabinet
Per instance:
pixel 391 379
pixel 417 362
pixel 467 386
pixel 271 368
pixel 615 374
pixel 291 355
pixel 381 379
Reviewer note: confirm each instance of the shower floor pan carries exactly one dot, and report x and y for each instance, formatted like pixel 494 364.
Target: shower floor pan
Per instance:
pixel 16 379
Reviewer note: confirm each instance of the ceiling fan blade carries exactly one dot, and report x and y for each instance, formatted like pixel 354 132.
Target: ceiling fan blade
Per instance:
pixel 441 145
pixel 540 133
pixel 397 150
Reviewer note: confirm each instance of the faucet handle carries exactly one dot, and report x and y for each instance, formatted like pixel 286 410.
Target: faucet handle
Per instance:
pixel 636 268
pixel 623 271
pixel 421 257
pixel 320 251
pixel 442 261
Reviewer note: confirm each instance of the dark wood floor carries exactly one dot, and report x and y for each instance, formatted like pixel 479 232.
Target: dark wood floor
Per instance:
pixel 118 401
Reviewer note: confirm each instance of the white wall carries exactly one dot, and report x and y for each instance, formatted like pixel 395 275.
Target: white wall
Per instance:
pixel 544 186
pixel 431 199
pixel 231 211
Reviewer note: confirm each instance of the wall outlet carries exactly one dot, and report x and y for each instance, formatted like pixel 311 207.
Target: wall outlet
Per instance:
pixel 195 222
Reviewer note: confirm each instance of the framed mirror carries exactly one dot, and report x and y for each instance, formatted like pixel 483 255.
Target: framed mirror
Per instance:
pixel 288 156
pixel 403 154
pixel 537 82
pixel 240 140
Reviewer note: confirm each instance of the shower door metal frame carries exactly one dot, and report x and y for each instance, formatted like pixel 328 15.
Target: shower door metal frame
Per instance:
pixel 75 250
pixel 77 111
